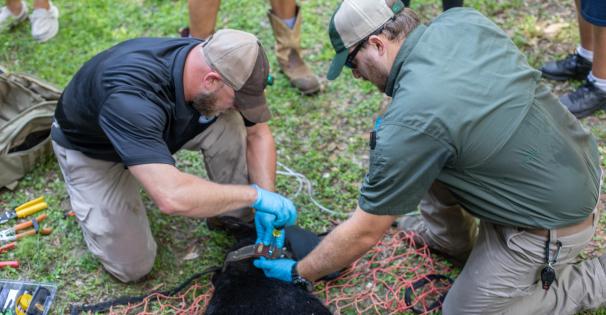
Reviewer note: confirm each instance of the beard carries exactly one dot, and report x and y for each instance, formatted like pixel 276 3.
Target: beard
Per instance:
pixel 378 78
pixel 373 74
pixel 206 104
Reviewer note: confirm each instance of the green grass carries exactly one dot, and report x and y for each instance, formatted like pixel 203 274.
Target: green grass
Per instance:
pixel 324 137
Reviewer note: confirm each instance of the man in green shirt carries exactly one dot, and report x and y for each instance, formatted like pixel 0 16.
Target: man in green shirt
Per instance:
pixel 470 132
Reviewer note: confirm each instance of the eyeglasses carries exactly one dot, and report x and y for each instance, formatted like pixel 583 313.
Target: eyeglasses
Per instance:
pixel 349 62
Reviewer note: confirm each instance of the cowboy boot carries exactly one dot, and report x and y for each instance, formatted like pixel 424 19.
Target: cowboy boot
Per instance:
pixel 288 51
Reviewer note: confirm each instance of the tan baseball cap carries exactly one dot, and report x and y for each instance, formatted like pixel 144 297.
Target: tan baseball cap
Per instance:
pixel 352 22
pixel 240 59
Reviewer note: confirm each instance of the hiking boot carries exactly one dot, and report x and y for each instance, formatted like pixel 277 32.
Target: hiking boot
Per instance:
pixel 585 100
pixel 422 236
pixel 572 67
pixel 8 20
pixel 45 23
pixel 288 52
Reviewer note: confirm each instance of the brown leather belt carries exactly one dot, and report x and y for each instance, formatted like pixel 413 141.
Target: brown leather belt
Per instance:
pixel 567 230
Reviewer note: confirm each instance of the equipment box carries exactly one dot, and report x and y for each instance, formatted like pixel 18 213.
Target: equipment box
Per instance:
pixel 26 298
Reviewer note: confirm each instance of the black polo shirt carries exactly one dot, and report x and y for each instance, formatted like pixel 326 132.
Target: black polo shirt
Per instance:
pixel 127 103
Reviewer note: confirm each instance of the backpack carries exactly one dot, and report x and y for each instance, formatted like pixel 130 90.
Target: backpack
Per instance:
pixel 27 106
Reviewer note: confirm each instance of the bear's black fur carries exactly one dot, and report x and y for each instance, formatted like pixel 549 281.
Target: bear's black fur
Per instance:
pixel 244 289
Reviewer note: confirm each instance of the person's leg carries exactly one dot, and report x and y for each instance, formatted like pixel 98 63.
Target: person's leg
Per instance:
pixel 42 4
pixel 502 275
pixel 203 17
pixel 223 146
pixel 578 64
pixel 105 198
pixel 45 20
pixel 585 30
pixel 599 52
pixel 444 224
pixel 591 96
pixel 14 12
pixel 285 19
pixel 15 6
pixel 448 4
pixel 284 9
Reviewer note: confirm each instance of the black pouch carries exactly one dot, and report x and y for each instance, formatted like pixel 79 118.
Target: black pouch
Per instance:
pixel 301 242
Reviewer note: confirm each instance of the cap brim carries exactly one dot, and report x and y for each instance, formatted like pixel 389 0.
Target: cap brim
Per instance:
pixel 253 107
pixel 336 66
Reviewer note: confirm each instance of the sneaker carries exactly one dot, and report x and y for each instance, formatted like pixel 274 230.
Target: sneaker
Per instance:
pixel 421 237
pixel 572 67
pixel 585 100
pixel 45 23
pixel 8 20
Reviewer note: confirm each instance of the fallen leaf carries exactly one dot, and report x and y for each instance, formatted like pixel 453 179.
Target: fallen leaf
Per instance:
pixel 553 30
pixel 193 254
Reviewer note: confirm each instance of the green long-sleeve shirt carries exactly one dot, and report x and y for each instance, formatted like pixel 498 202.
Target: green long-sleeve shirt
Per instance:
pixel 468 111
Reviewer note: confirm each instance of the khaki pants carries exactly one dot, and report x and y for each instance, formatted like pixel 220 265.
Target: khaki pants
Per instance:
pixel 502 274
pixel 105 196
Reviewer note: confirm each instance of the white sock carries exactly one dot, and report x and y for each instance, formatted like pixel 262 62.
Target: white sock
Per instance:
pixel 598 82
pixel 587 54
pixel 290 22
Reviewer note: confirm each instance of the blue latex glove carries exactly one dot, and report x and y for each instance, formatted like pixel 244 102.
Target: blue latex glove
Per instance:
pixel 280 269
pixel 281 210
pixel 264 226
pixel 272 203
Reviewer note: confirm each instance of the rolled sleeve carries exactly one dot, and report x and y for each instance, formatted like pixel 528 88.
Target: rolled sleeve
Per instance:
pixel 402 167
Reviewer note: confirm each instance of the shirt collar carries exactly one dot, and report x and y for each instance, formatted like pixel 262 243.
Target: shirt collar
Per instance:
pixel 407 46
pixel 177 81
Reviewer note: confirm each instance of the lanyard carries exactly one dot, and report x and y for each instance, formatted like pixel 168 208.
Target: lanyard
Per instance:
pixel 373 133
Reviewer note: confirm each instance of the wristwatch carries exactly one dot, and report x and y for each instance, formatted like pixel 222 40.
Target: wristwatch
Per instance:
pixel 299 281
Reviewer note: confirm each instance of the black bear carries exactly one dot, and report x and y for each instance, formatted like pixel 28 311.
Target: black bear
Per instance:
pixel 243 289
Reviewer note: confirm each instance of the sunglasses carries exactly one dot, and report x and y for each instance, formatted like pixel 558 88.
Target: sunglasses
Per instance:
pixel 349 62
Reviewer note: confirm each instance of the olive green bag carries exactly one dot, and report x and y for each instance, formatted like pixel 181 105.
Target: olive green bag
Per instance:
pixel 27 106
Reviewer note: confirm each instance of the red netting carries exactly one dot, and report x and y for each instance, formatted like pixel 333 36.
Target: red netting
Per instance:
pixel 192 301
pixel 376 283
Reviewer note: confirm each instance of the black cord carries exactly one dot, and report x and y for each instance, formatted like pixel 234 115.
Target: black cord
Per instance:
pixel 75 309
pixel 419 284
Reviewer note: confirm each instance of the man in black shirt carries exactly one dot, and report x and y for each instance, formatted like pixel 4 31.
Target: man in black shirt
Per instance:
pixel 131 107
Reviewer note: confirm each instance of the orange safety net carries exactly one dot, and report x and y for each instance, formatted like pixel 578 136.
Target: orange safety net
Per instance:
pixel 192 301
pixel 376 283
